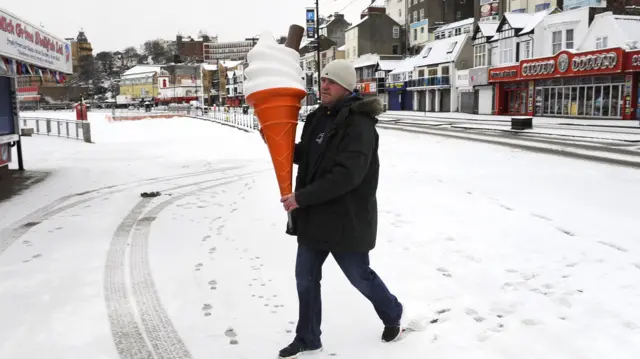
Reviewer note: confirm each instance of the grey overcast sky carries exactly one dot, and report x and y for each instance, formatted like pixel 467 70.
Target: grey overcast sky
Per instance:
pixel 115 24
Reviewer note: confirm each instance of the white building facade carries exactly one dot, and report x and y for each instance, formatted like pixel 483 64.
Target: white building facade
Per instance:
pixel 396 9
pixel 583 71
pixel 433 84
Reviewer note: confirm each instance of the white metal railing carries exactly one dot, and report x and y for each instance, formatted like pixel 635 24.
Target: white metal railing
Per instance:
pixel 234 118
pixel 80 130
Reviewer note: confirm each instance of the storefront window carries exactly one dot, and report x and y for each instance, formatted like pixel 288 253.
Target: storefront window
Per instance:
pixel 615 100
pixel 580 104
pixel 592 96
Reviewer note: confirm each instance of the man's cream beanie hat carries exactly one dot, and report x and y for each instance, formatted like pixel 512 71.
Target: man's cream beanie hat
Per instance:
pixel 342 72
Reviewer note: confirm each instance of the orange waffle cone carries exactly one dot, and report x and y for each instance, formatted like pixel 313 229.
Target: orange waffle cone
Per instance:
pixel 277 111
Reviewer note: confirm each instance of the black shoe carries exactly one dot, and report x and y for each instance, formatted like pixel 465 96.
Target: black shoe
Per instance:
pixel 391 333
pixel 296 348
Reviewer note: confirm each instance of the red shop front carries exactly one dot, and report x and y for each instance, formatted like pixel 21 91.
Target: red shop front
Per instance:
pixel 590 84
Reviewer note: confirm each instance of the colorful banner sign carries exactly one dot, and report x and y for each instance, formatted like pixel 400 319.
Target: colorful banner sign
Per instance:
pixel 22 41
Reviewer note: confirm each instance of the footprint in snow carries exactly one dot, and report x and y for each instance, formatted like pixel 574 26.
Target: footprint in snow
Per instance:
pixel 473 314
pixel 230 333
pixel 488 333
pixel 541 217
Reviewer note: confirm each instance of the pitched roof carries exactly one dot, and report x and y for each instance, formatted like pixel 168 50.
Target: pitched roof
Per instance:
pixel 629 26
pixel 405 65
pixel 518 20
pixel 358 23
pixel 444 50
pixel 486 29
pixel 366 60
pixel 141 69
pixel 388 65
pixel 535 20
pixel 453 25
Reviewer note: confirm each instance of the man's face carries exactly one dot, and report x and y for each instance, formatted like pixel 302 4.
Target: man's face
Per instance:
pixel 331 92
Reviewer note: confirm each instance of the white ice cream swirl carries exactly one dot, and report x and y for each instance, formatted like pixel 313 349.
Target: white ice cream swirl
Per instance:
pixel 272 65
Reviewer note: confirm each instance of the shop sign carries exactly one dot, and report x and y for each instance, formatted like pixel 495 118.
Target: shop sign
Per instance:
pixel 544 67
pixel 568 64
pixel 24 42
pixel 632 60
pixel 479 76
pixel 504 73
pixel 396 85
pixel 593 62
pixel 366 87
pixel 462 78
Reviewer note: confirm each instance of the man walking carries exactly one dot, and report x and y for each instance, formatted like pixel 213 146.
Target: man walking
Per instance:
pixel 334 207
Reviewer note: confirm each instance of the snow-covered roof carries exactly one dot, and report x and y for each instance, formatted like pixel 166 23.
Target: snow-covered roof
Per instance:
pixel 326 24
pixel 488 29
pixel 305 41
pixel 229 63
pixel 388 65
pixel 629 26
pixel 535 20
pixel 141 69
pixel 518 20
pixel 138 75
pixel 342 48
pixel 366 60
pixel 358 23
pixel 210 67
pixel 444 50
pixel 405 65
pixel 453 25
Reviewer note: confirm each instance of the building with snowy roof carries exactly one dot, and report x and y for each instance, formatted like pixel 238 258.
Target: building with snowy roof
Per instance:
pixel 398 97
pixel 334 28
pixel 433 84
pixel 375 33
pixel 454 29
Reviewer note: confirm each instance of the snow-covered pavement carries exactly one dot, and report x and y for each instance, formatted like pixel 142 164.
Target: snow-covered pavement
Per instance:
pixel 517 254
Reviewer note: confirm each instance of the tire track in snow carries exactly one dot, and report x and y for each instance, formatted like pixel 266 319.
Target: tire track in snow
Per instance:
pixel 15 231
pixel 159 339
pixel 125 330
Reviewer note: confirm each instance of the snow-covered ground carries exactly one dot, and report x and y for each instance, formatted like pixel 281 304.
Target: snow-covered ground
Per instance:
pixel 524 255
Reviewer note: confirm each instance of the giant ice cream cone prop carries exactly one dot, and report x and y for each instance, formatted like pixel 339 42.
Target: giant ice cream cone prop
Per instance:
pixel 277 111
pixel 274 88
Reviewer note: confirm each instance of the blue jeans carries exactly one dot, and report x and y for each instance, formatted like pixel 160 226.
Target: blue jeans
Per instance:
pixel 355 266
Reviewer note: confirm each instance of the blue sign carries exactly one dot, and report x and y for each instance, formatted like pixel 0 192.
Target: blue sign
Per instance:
pixel 420 23
pixel 311 23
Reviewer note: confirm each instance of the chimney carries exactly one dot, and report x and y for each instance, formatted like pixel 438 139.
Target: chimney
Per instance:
pixel 372 10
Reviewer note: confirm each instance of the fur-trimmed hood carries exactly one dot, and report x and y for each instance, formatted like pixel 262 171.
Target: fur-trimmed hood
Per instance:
pixel 371 107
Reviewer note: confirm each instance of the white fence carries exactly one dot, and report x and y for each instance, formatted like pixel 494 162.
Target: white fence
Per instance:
pixel 79 130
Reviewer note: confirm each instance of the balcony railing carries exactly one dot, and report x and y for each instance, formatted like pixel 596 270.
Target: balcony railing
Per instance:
pixel 430 81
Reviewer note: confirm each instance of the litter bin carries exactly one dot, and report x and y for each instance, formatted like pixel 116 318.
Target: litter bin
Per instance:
pixel 521 123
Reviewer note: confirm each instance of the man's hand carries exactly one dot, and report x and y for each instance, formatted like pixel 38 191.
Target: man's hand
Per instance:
pixel 289 202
